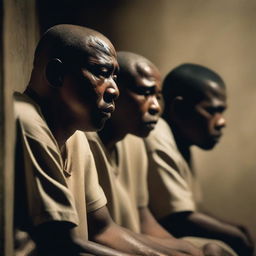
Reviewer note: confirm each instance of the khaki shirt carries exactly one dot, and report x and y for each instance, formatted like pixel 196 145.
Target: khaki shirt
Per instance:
pixel 122 175
pixel 172 185
pixel 50 187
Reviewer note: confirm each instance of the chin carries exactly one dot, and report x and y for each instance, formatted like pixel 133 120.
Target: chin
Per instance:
pixel 208 146
pixel 99 126
pixel 93 127
pixel 142 133
pixel 98 123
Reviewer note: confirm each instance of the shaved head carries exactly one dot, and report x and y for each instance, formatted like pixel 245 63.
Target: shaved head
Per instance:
pixel 132 66
pixel 70 43
pixel 190 81
pixel 74 72
pixel 195 99
pixel 139 82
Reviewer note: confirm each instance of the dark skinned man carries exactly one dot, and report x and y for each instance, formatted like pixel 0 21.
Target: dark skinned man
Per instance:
pixel 195 99
pixel 71 90
pixel 121 158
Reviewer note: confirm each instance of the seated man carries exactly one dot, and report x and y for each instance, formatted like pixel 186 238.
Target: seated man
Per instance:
pixel 121 158
pixel 195 98
pixel 71 88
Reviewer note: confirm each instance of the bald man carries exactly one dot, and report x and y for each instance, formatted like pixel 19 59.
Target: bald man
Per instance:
pixel 121 158
pixel 195 99
pixel 72 89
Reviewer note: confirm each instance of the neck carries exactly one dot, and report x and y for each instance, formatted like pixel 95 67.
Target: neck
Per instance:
pixel 111 134
pixel 182 144
pixel 51 110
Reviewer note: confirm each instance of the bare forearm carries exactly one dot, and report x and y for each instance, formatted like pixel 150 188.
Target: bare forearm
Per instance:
pixel 198 224
pixel 130 242
pixel 149 225
pixel 104 231
pixel 155 232
pixel 58 239
pixel 177 244
pixel 92 248
pixel 80 248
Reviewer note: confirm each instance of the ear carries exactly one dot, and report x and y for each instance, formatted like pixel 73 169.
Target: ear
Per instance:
pixel 55 72
pixel 179 108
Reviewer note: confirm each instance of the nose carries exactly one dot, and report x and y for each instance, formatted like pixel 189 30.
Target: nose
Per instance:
pixel 111 93
pixel 154 107
pixel 221 123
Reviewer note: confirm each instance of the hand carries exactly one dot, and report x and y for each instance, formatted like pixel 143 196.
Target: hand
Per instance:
pixel 248 235
pixel 245 244
pixel 214 250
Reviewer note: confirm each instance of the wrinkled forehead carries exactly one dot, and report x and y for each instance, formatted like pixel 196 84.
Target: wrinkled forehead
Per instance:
pixel 147 75
pixel 143 78
pixel 100 49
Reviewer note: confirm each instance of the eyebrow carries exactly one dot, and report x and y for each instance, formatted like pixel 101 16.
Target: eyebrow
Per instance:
pixel 144 90
pixel 216 108
pixel 100 62
pixel 97 60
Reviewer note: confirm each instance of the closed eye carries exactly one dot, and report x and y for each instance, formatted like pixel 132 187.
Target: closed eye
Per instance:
pixel 214 110
pixel 104 71
pixel 144 90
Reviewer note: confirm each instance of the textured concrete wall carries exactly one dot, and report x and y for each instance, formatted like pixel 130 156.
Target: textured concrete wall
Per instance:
pixel 2 187
pixel 18 38
pixel 21 35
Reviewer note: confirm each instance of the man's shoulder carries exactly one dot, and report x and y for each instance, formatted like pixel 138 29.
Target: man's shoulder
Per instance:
pixel 132 139
pixel 132 144
pixel 29 120
pixel 94 141
pixel 92 136
pixel 97 147
pixel 160 137
pixel 162 125
pixel 132 149
pixel 78 142
pixel 26 110
pixel 162 130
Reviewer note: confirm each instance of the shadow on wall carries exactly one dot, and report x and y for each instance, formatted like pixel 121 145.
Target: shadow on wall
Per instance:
pixel 94 14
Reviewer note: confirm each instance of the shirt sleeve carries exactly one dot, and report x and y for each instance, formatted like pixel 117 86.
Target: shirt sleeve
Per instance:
pixel 44 194
pixel 169 192
pixel 137 167
pixel 142 184
pixel 95 197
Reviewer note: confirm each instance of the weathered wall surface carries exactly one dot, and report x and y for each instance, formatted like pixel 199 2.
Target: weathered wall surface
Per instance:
pixel 20 34
pixel 18 38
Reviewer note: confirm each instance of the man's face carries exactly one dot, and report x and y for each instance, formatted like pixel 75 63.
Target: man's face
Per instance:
pixel 91 89
pixel 204 126
pixel 139 103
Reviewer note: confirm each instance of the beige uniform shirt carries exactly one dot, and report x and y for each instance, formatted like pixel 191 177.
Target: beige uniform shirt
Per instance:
pixel 122 175
pixel 50 187
pixel 172 186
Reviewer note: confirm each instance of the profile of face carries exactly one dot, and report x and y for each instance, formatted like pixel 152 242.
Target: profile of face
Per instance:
pixel 205 123
pixel 138 104
pixel 90 90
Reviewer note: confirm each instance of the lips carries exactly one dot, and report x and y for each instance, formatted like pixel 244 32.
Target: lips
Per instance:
pixel 107 111
pixel 217 137
pixel 150 125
